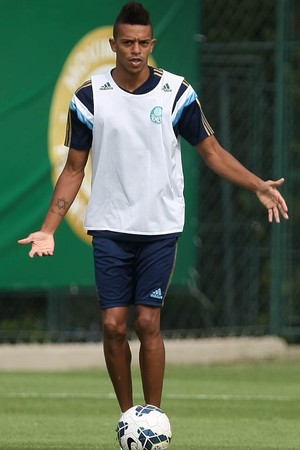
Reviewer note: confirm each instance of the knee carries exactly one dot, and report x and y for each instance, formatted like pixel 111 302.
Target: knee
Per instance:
pixel 112 329
pixel 146 325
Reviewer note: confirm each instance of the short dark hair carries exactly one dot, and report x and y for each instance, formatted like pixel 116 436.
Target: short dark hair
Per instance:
pixel 132 13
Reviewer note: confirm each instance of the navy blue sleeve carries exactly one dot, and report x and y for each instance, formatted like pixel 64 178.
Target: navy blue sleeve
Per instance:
pixel 78 135
pixel 192 125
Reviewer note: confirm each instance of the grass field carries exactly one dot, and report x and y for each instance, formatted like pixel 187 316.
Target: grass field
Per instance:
pixel 244 406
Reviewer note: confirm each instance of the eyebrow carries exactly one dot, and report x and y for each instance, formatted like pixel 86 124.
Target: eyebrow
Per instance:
pixel 135 39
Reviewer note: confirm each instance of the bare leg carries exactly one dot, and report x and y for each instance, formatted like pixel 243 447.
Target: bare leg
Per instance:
pixel 117 354
pixel 152 353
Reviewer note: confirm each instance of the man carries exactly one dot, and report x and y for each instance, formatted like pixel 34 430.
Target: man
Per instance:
pixel 132 119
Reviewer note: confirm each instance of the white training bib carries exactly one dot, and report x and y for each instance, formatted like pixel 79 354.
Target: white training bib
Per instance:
pixel 137 178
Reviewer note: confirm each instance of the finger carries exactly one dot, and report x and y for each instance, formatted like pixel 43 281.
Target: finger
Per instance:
pixel 283 211
pixel 270 215
pixel 25 241
pixel 282 204
pixel 40 253
pixel 32 253
pixel 37 252
pixel 273 213
pixel 276 214
pixel 278 182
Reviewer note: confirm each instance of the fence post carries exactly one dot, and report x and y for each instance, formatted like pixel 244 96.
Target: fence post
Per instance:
pixel 277 241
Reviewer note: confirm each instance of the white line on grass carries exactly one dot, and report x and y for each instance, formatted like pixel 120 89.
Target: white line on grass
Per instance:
pixel 224 397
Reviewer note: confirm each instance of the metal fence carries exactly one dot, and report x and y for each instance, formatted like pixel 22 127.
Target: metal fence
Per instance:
pixel 249 53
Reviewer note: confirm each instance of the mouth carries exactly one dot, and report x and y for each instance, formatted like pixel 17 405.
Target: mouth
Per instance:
pixel 135 62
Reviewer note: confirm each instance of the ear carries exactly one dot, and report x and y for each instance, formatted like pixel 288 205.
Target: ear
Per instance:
pixel 153 42
pixel 112 44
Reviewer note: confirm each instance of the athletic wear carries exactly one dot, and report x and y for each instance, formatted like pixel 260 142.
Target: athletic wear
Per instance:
pixel 133 272
pixel 137 182
pixel 192 124
pixel 136 208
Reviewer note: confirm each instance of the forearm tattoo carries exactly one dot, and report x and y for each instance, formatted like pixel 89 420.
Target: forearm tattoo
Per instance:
pixel 62 205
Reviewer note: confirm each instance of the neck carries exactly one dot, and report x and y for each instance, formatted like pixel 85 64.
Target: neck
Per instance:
pixel 130 81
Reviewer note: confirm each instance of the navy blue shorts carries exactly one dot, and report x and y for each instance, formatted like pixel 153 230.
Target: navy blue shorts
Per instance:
pixel 129 272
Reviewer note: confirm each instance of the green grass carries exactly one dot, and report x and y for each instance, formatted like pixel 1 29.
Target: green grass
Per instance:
pixel 249 406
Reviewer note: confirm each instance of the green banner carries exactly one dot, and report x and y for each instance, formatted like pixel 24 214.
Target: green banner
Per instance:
pixel 48 49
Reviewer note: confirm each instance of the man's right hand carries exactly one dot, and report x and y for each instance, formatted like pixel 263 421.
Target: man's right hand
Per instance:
pixel 42 244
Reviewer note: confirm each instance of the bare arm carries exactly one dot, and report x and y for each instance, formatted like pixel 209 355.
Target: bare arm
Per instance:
pixel 228 167
pixel 66 189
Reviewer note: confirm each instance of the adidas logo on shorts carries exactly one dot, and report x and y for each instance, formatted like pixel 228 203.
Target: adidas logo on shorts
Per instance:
pixel 157 294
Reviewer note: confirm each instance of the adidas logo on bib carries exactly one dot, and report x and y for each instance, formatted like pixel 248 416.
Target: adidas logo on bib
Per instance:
pixel 157 294
pixel 167 88
pixel 106 87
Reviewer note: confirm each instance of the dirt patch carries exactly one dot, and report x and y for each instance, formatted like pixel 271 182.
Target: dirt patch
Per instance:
pixel 184 351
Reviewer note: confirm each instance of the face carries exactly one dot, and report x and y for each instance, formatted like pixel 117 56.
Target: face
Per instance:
pixel 132 45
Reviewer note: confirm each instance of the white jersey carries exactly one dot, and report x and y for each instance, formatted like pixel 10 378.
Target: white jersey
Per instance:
pixel 137 177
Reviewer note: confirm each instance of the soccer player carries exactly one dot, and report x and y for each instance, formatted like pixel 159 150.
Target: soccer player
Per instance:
pixel 131 119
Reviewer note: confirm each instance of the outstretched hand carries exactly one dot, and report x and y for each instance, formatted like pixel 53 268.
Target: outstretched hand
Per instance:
pixel 271 198
pixel 42 244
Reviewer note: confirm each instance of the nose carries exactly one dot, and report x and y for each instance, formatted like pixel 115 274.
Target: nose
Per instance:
pixel 136 48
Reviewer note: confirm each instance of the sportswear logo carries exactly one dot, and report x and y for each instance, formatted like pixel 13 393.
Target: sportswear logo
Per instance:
pixel 156 114
pixel 106 87
pixel 167 88
pixel 157 294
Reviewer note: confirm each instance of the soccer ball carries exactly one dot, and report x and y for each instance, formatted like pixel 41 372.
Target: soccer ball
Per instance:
pixel 144 427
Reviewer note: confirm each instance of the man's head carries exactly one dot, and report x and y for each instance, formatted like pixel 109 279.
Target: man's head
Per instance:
pixel 133 13
pixel 132 40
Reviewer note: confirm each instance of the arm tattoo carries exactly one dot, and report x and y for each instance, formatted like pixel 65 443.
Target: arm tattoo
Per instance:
pixel 61 204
